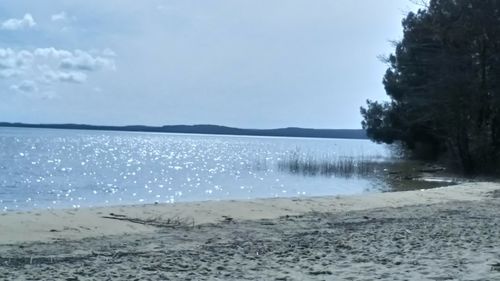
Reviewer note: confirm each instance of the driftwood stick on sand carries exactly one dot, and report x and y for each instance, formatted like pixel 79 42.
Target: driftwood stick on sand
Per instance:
pixel 156 221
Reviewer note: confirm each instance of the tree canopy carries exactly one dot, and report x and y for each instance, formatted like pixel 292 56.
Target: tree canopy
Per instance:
pixel 443 82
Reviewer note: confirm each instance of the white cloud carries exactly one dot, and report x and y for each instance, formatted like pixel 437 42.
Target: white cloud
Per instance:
pixel 13 62
pixel 15 24
pixel 7 73
pixel 26 86
pixel 108 52
pixel 84 61
pixel 68 77
pixel 52 52
pixel 42 68
pixel 59 17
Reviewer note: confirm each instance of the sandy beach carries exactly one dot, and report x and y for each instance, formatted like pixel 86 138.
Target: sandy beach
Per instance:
pixel 449 233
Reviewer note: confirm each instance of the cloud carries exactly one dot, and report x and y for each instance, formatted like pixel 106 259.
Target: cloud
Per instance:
pixel 78 59
pixel 14 64
pixel 7 73
pixel 68 77
pixel 84 61
pixel 26 86
pixel 108 52
pixel 42 68
pixel 52 52
pixel 59 17
pixel 15 24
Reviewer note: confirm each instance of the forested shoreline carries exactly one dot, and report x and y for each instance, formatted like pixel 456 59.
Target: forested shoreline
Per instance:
pixel 443 82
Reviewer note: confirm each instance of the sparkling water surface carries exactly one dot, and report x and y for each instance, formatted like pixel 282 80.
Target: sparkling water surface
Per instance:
pixel 46 168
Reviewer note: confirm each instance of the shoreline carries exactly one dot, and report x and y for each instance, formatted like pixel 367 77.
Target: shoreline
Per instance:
pixel 449 233
pixel 77 224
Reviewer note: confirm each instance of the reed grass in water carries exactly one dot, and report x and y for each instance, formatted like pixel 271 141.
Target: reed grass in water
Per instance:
pixel 331 166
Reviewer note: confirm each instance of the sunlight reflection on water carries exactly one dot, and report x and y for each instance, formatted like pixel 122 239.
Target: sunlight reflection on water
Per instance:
pixel 43 168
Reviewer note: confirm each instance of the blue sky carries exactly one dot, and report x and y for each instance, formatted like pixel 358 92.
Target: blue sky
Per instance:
pixel 246 63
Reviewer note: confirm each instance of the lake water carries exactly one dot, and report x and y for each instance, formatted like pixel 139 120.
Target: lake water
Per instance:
pixel 44 168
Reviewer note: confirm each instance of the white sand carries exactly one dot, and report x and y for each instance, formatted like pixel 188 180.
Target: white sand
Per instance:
pixel 449 233
pixel 83 223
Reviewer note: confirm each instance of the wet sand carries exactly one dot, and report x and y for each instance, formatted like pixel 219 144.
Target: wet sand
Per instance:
pixel 450 233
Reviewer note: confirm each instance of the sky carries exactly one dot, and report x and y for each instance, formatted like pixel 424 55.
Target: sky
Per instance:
pixel 246 63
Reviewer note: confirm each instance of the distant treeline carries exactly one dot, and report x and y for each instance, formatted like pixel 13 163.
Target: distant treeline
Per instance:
pixel 208 129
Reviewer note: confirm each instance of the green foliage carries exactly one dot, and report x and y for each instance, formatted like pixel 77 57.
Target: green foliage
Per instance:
pixel 444 84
